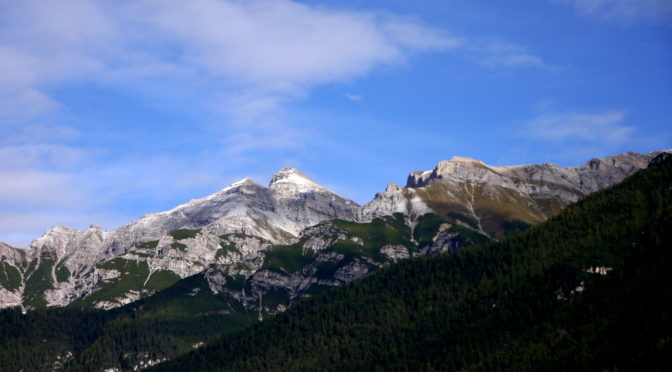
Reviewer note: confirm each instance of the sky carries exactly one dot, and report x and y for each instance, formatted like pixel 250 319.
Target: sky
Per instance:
pixel 112 110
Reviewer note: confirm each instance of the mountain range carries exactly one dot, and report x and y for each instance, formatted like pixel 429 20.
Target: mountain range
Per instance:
pixel 174 281
pixel 246 232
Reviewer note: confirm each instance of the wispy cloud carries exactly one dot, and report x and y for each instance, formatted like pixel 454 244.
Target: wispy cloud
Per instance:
pixel 571 136
pixel 353 97
pixel 508 56
pixel 48 156
pixel 265 50
pixel 44 44
pixel 601 128
pixel 621 10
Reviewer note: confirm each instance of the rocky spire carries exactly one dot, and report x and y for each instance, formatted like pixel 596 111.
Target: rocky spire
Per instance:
pixel 392 187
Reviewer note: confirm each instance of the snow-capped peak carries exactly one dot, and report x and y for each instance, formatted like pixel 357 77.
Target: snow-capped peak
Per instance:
pixel 244 181
pixel 293 178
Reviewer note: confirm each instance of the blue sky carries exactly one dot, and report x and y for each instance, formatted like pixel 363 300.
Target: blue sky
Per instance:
pixel 110 112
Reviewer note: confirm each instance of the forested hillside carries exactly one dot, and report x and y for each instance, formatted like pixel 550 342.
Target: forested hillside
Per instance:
pixel 163 326
pixel 588 290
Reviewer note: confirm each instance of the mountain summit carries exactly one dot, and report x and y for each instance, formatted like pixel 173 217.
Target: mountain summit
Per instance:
pixel 293 177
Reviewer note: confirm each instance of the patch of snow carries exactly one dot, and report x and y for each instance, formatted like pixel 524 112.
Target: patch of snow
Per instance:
pixel 294 179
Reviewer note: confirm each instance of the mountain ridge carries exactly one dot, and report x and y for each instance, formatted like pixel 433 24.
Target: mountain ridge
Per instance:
pixel 156 314
pixel 239 225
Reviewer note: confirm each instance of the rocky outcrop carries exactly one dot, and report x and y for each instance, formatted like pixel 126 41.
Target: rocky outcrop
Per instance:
pixel 394 200
pixel 12 264
pixel 395 252
pixel 569 183
pixel 75 249
pixel 11 255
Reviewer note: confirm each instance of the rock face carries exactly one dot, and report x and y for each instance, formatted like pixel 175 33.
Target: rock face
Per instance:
pixel 487 198
pixel 278 214
pixel 395 200
pixel 326 255
pixel 304 203
pixel 12 264
pixel 10 254
pixel 278 239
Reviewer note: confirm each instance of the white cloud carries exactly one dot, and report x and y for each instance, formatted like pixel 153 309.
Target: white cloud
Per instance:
pixel 251 56
pixel 621 10
pixel 42 44
pixel 274 46
pixel 263 53
pixel 353 97
pixel 410 34
pixel 605 128
pixel 508 56
pixel 265 50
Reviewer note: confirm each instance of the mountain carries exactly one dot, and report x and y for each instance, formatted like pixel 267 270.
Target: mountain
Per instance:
pixel 489 199
pixel 245 214
pixel 295 236
pixel 237 279
pixel 590 289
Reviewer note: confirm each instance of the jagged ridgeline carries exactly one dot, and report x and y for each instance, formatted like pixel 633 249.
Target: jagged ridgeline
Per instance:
pixel 588 290
pixel 248 230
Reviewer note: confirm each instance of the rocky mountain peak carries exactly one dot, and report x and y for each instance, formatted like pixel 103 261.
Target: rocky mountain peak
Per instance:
pixel 244 182
pixel 463 159
pixel 244 186
pixel 293 179
pixel 13 255
pixel 392 187
pixel 457 168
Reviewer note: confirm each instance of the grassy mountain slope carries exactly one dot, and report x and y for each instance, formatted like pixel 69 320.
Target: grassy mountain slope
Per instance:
pixel 494 205
pixel 588 290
